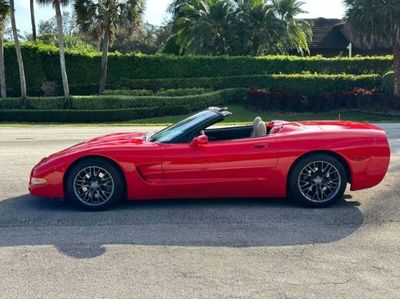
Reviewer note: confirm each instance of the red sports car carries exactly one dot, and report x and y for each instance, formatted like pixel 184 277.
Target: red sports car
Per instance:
pixel 311 161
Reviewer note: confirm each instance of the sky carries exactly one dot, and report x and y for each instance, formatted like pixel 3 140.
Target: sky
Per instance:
pixel 155 12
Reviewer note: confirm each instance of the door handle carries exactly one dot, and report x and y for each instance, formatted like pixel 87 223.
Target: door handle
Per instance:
pixel 261 145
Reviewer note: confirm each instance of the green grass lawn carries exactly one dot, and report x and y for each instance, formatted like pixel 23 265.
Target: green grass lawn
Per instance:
pixel 242 114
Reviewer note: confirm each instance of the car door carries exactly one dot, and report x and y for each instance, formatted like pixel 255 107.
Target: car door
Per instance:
pixel 240 168
pixel 235 168
pixel 183 169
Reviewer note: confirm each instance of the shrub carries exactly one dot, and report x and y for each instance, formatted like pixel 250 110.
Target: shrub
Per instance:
pixel 286 101
pixel 164 66
pixel 182 91
pixel 128 92
pixel 162 92
pixel 33 69
pixel 87 116
pixel 10 103
pixel 42 63
pixel 45 103
pixel 194 102
pixel 388 83
pixel 301 83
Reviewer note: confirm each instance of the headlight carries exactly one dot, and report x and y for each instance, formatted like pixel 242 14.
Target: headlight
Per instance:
pixel 38 181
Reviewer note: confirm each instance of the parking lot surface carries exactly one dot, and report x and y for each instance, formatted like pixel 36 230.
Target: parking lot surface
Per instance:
pixel 191 248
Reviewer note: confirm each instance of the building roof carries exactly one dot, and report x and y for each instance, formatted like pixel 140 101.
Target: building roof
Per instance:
pixel 335 34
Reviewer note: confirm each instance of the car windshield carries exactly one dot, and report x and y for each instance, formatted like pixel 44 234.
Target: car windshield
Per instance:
pixel 170 133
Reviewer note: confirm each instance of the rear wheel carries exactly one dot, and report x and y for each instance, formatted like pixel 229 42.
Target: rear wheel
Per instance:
pixel 94 184
pixel 318 180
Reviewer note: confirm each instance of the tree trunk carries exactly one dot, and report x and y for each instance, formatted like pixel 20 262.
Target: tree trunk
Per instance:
pixel 19 55
pixel 2 71
pixel 396 55
pixel 60 37
pixel 104 61
pixel 32 5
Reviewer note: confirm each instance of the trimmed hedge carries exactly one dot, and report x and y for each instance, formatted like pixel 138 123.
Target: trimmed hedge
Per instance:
pixel 10 103
pixel 42 63
pixel 112 108
pixel 301 83
pixel 182 91
pixel 161 66
pixel 163 92
pixel 356 99
pixel 128 92
pixel 388 83
pixel 86 116
pixel 193 102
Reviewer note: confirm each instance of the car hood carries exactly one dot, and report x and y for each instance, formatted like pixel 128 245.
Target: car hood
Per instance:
pixel 110 140
pixel 114 139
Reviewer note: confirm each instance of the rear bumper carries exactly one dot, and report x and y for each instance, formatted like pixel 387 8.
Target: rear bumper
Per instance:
pixel 371 172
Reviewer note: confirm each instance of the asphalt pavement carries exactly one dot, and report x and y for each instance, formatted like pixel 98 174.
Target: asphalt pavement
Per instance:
pixel 247 248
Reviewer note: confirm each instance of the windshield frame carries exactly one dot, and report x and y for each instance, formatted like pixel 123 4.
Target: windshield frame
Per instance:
pixel 187 128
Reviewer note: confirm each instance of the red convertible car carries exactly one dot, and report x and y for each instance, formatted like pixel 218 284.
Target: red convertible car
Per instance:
pixel 310 161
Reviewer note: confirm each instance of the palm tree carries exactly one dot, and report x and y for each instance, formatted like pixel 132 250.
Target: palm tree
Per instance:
pixel 4 13
pixel 32 7
pixel 377 21
pixel 205 27
pixel 60 37
pixel 102 18
pixel 175 7
pixel 19 54
pixel 258 29
pixel 296 32
pixel 240 27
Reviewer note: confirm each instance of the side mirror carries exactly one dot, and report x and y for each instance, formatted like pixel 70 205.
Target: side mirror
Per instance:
pixel 200 140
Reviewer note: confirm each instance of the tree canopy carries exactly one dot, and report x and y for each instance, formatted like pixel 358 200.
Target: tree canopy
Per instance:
pixel 241 27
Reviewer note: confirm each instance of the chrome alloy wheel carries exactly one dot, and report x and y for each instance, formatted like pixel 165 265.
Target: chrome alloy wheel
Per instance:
pixel 93 185
pixel 319 181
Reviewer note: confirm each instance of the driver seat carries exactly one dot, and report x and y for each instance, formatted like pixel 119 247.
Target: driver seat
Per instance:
pixel 259 128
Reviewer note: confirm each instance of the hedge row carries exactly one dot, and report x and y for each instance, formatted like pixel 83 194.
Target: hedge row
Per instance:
pixel 163 92
pixel 357 99
pixel 42 63
pixel 301 83
pixel 193 102
pixel 86 116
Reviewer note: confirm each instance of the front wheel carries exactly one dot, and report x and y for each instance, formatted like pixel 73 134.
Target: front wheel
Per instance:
pixel 318 181
pixel 94 184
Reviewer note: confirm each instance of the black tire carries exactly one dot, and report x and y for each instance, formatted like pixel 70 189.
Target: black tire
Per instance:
pixel 309 182
pixel 104 190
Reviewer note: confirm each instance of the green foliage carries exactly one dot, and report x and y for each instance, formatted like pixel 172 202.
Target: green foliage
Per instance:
pixel 301 83
pixel 45 103
pixel 42 63
pixel 388 83
pixel 181 91
pixel 242 27
pixel 71 42
pixel 128 92
pixel 374 21
pixel 33 69
pixel 110 102
pixel 163 92
pixel 194 102
pixel 10 103
pixel 87 116
pixel 113 108
pixel 356 99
